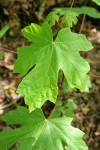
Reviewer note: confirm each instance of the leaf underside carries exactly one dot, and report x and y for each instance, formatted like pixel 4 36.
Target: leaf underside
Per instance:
pixel 48 56
pixel 38 133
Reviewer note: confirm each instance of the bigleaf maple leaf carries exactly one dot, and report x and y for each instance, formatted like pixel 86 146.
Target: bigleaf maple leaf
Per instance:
pixel 47 57
pixel 38 133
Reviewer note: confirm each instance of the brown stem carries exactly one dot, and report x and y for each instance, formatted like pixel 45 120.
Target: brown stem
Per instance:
pixel 72 4
pixel 52 111
pixel 60 92
pixel 82 24
pixel 4 49
pixel 83 19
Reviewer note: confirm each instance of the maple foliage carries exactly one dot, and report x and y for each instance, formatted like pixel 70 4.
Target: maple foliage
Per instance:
pixel 40 64
pixel 38 133
pixel 47 57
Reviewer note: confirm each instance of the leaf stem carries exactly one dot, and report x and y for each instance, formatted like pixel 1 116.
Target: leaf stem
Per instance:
pixel 82 24
pixel 83 19
pixel 52 111
pixel 60 92
pixel 72 3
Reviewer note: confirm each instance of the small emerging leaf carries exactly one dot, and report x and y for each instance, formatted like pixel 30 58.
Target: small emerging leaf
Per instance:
pixel 70 18
pixel 97 2
pixel 38 133
pixel 52 18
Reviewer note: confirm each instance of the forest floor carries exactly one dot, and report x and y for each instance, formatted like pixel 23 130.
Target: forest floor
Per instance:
pixel 88 111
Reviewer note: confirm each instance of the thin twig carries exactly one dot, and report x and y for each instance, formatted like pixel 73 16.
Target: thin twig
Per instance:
pixel 72 4
pixel 94 63
pixel 82 24
pixel 83 19
pixel 6 106
pixel 52 111
pixel 8 50
pixel 92 115
pixel 95 76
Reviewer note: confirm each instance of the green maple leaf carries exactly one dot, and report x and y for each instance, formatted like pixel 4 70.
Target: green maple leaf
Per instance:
pixel 38 133
pixel 47 57
pixel 52 18
pixel 70 18
pixel 97 2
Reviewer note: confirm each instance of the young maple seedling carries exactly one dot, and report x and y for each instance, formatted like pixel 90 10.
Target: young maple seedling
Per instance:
pixel 48 56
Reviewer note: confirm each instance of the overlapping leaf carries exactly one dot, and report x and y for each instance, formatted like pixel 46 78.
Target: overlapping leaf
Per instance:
pixel 38 133
pixel 48 56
